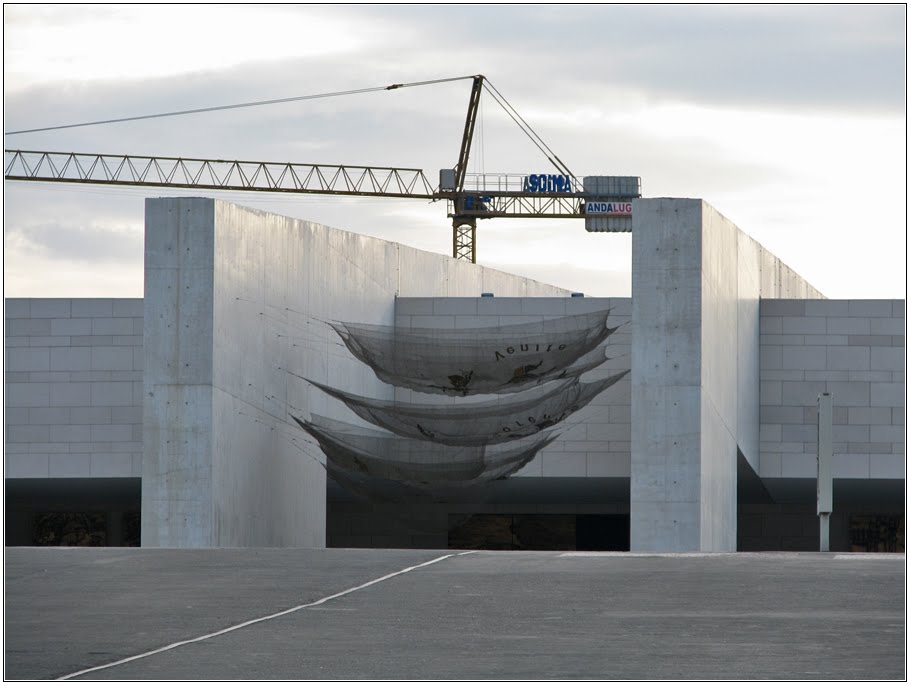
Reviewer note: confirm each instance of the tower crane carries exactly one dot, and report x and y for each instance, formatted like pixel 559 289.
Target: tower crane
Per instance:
pixel 605 203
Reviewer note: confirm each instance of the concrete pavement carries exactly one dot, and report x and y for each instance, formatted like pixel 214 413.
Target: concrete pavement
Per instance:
pixel 484 615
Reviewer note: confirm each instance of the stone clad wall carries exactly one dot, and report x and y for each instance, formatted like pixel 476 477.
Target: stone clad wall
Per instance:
pixel 854 349
pixel 73 388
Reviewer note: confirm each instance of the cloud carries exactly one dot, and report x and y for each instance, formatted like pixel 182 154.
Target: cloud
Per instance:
pixel 768 112
pixel 90 244
pixel 125 41
pixel 603 283
pixel 771 56
pixel 759 56
pixel 72 249
pixel 29 276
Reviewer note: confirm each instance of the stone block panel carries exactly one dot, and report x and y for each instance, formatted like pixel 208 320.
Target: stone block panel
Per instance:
pixel 853 358
pixel 803 325
pixel 92 307
pixel 27 327
pixel 885 341
pixel 859 358
pixel 770 307
pixel 52 372
pixel 803 357
pixel 870 308
pixel 27 394
pixel 852 326
pixel 888 466
pixel 850 394
pixel 801 392
pixel 111 465
pixel 887 394
pixel 888 358
pixel 69 465
pixel 71 359
pixel 26 466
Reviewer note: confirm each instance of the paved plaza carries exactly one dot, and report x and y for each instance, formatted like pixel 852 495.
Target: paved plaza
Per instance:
pixel 217 614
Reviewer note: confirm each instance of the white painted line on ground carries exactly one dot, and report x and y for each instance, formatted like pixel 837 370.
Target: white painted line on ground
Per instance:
pixel 172 646
pixel 841 556
pixel 870 556
pixel 605 553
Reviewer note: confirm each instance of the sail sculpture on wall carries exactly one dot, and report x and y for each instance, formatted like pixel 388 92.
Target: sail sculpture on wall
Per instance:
pixel 502 419
pixel 498 359
pixel 444 449
pixel 383 455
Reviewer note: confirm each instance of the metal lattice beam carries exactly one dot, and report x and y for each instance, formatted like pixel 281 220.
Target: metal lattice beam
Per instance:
pixel 226 175
pixel 494 204
pixel 465 206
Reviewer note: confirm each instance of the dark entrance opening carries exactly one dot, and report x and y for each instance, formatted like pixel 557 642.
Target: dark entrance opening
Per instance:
pixel 602 532
pixel 72 512
pixel 541 532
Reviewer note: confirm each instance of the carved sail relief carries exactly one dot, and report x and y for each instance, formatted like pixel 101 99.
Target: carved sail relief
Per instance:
pixel 462 362
pixel 443 449
pixel 421 464
pixel 477 424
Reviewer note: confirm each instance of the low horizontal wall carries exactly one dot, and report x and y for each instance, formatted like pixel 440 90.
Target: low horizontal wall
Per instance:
pixel 73 388
pixel 853 349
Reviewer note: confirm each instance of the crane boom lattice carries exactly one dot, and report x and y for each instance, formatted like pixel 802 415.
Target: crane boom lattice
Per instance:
pixel 225 175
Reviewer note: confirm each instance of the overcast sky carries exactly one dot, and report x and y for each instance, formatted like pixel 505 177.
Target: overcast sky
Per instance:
pixel 790 120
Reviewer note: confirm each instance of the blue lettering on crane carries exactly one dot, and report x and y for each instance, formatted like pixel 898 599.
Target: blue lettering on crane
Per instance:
pixel 547 183
pixel 477 202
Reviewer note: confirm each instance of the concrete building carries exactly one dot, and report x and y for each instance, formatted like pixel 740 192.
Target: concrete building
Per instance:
pixel 171 413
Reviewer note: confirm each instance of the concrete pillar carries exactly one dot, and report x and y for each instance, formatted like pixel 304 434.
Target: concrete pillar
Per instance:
pixel 666 462
pixel 223 465
pixel 697 281
pixel 683 472
pixel 178 431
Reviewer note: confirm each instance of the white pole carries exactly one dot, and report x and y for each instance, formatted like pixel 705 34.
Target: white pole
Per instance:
pixel 823 532
pixel 824 468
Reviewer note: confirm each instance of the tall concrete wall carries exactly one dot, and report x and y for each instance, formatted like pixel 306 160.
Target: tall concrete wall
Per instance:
pixel 854 349
pixel 697 281
pixel 73 387
pixel 235 309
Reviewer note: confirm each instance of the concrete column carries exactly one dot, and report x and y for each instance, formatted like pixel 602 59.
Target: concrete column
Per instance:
pixel 227 297
pixel 178 431
pixel 666 457
pixel 697 281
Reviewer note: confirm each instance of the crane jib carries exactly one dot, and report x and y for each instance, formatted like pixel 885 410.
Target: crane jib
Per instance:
pixel 556 196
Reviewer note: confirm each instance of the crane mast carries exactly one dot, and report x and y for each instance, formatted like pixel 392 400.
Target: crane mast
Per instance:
pixel 468 197
pixel 464 228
